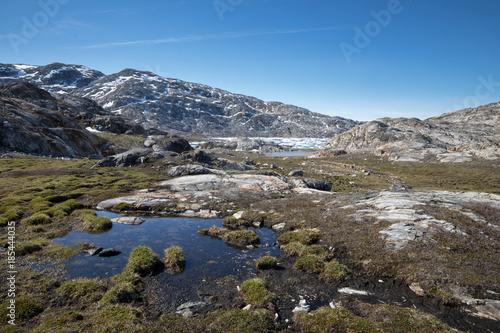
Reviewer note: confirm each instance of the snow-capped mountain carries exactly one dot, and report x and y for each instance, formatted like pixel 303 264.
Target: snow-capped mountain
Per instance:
pixel 179 106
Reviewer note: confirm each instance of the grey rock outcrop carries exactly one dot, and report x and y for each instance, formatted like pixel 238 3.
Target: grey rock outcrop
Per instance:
pixel 31 123
pixel 451 137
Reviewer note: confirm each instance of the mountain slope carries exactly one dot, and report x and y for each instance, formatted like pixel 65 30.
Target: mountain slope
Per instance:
pixel 31 122
pixel 179 106
pixel 474 131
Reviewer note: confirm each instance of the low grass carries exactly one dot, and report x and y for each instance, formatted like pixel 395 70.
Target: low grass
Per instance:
pixel 27 307
pixel 91 222
pixel 327 320
pixel 123 292
pixel 303 236
pixel 256 293
pixel 266 262
pixel 237 238
pixel 85 289
pixel 310 264
pixel 299 249
pixel 234 223
pixel 142 261
pixel 174 259
pixel 335 272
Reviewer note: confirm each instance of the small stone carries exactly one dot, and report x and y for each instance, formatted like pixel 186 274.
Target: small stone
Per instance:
pixel 417 289
pixel 247 308
pixel 279 226
pixel 129 220
pixel 239 214
pixel 296 173
pixel 109 253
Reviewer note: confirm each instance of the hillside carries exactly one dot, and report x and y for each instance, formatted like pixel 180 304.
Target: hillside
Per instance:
pixel 178 106
pixel 455 136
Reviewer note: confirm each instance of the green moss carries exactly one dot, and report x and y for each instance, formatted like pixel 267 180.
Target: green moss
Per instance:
pixel 233 222
pixel 3 221
pixel 327 320
pixel 124 207
pixel 238 238
pixel 174 259
pixel 310 263
pixel 390 318
pixel 85 289
pixel 37 218
pixel 31 246
pixel 59 320
pixel 256 293
pixel 117 319
pixel 121 293
pixel 266 262
pixel 335 272
pixel 63 197
pixel 27 307
pixel 14 213
pixel 91 222
pixel 303 236
pixel 299 249
pixel 240 321
pixel 142 261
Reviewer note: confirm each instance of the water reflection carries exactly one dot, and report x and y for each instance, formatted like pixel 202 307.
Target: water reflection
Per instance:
pixel 204 255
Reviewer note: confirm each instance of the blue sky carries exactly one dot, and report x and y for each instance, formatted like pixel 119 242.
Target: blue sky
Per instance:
pixel 361 59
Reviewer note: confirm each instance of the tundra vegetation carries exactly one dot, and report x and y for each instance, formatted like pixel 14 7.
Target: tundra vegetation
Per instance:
pixel 324 248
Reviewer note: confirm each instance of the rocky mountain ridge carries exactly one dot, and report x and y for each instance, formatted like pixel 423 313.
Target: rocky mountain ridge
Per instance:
pixel 32 121
pixel 452 137
pixel 178 106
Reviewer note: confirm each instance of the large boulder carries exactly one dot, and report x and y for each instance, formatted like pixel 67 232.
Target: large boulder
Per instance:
pixel 126 159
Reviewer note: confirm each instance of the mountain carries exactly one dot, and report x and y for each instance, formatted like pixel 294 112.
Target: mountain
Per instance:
pixel 455 136
pixel 178 106
pixel 32 121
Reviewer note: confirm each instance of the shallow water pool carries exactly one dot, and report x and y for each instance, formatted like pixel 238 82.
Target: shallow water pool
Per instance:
pixel 204 256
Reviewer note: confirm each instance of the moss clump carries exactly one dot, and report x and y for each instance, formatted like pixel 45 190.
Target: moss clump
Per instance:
pixel 121 293
pixel 27 307
pixel 124 207
pixel 303 236
pixel 85 289
pixel 240 321
pixel 63 197
pixel 391 318
pixel 256 293
pixel 237 238
pixel 91 222
pixel 14 213
pixel 310 263
pixel 233 222
pixel 266 262
pixel 299 249
pixel 174 259
pixel 37 218
pixel 141 262
pixel 335 272
pixel 32 246
pixel 327 320
pixel 63 209
pixel 117 318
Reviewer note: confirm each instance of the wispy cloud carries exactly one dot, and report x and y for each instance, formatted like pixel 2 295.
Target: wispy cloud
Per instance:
pixel 193 38
pixel 114 11
pixel 63 26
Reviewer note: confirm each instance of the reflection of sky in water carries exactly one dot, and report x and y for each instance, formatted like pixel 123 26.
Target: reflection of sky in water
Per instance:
pixel 159 234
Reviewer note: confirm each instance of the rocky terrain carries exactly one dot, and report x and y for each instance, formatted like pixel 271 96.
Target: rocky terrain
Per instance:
pixel 177 106
pixel 451 137
pixel 31 122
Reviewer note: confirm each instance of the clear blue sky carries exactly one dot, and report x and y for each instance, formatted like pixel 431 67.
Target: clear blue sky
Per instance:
pixel 420 58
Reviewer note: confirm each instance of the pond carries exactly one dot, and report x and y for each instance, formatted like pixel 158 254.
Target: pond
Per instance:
pixel 205 257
